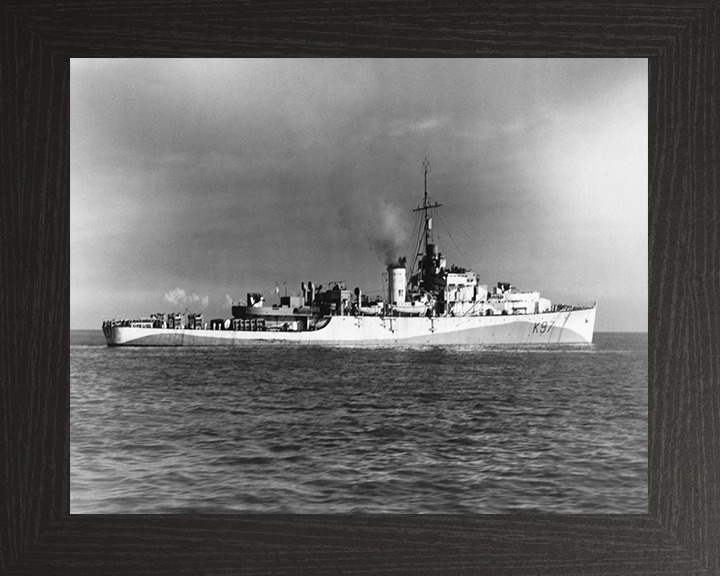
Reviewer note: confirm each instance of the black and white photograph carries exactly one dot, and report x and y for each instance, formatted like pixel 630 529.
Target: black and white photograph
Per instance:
pixel 323 286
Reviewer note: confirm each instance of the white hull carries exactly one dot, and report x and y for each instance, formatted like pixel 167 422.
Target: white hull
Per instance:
pixel 574 326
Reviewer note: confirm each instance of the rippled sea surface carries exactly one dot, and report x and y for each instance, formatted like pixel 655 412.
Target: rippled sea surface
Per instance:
pixel 557 429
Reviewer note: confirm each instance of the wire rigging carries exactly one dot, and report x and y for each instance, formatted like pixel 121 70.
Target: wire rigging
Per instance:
pixel 466 260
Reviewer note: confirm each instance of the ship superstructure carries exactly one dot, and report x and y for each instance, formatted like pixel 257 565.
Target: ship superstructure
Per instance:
pixel 433 304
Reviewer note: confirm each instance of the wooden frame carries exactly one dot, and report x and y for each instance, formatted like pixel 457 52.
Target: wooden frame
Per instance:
pixel 680 534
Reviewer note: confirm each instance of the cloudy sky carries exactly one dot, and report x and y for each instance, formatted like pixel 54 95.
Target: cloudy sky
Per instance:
pixel 194 182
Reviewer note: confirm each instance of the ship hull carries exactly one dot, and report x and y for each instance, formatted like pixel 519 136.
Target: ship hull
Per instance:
pixel 573 326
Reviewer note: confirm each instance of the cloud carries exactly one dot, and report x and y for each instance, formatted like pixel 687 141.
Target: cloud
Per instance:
pixel 179 296
pixel 228 301
pixel 405 128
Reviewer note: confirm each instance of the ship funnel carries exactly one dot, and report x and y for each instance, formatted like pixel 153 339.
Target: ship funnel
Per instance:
pixel 397 282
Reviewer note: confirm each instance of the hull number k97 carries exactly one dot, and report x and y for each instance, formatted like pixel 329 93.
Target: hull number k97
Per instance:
pixel 542 327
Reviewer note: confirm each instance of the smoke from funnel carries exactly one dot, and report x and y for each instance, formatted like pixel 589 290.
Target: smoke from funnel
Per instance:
pixel 387 233
pixel 382 220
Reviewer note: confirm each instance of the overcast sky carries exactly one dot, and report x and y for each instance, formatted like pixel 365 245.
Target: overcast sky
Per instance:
pixel 194 182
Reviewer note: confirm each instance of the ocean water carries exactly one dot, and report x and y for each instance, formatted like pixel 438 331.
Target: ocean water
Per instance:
pixel 468 430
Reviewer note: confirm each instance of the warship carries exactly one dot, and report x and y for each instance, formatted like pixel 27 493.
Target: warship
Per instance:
pixel 429 304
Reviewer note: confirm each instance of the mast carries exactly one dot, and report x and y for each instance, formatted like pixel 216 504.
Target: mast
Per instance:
pixel 425 260
pixel 426 169
pixel 425 206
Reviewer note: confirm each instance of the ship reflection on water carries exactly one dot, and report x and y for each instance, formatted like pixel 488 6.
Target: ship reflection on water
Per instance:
pixel 558 429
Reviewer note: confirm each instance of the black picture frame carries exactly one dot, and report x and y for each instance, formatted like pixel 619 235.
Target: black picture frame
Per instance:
pixel 681 532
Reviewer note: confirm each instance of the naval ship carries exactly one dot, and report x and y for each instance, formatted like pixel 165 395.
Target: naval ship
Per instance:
pixel 430 304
